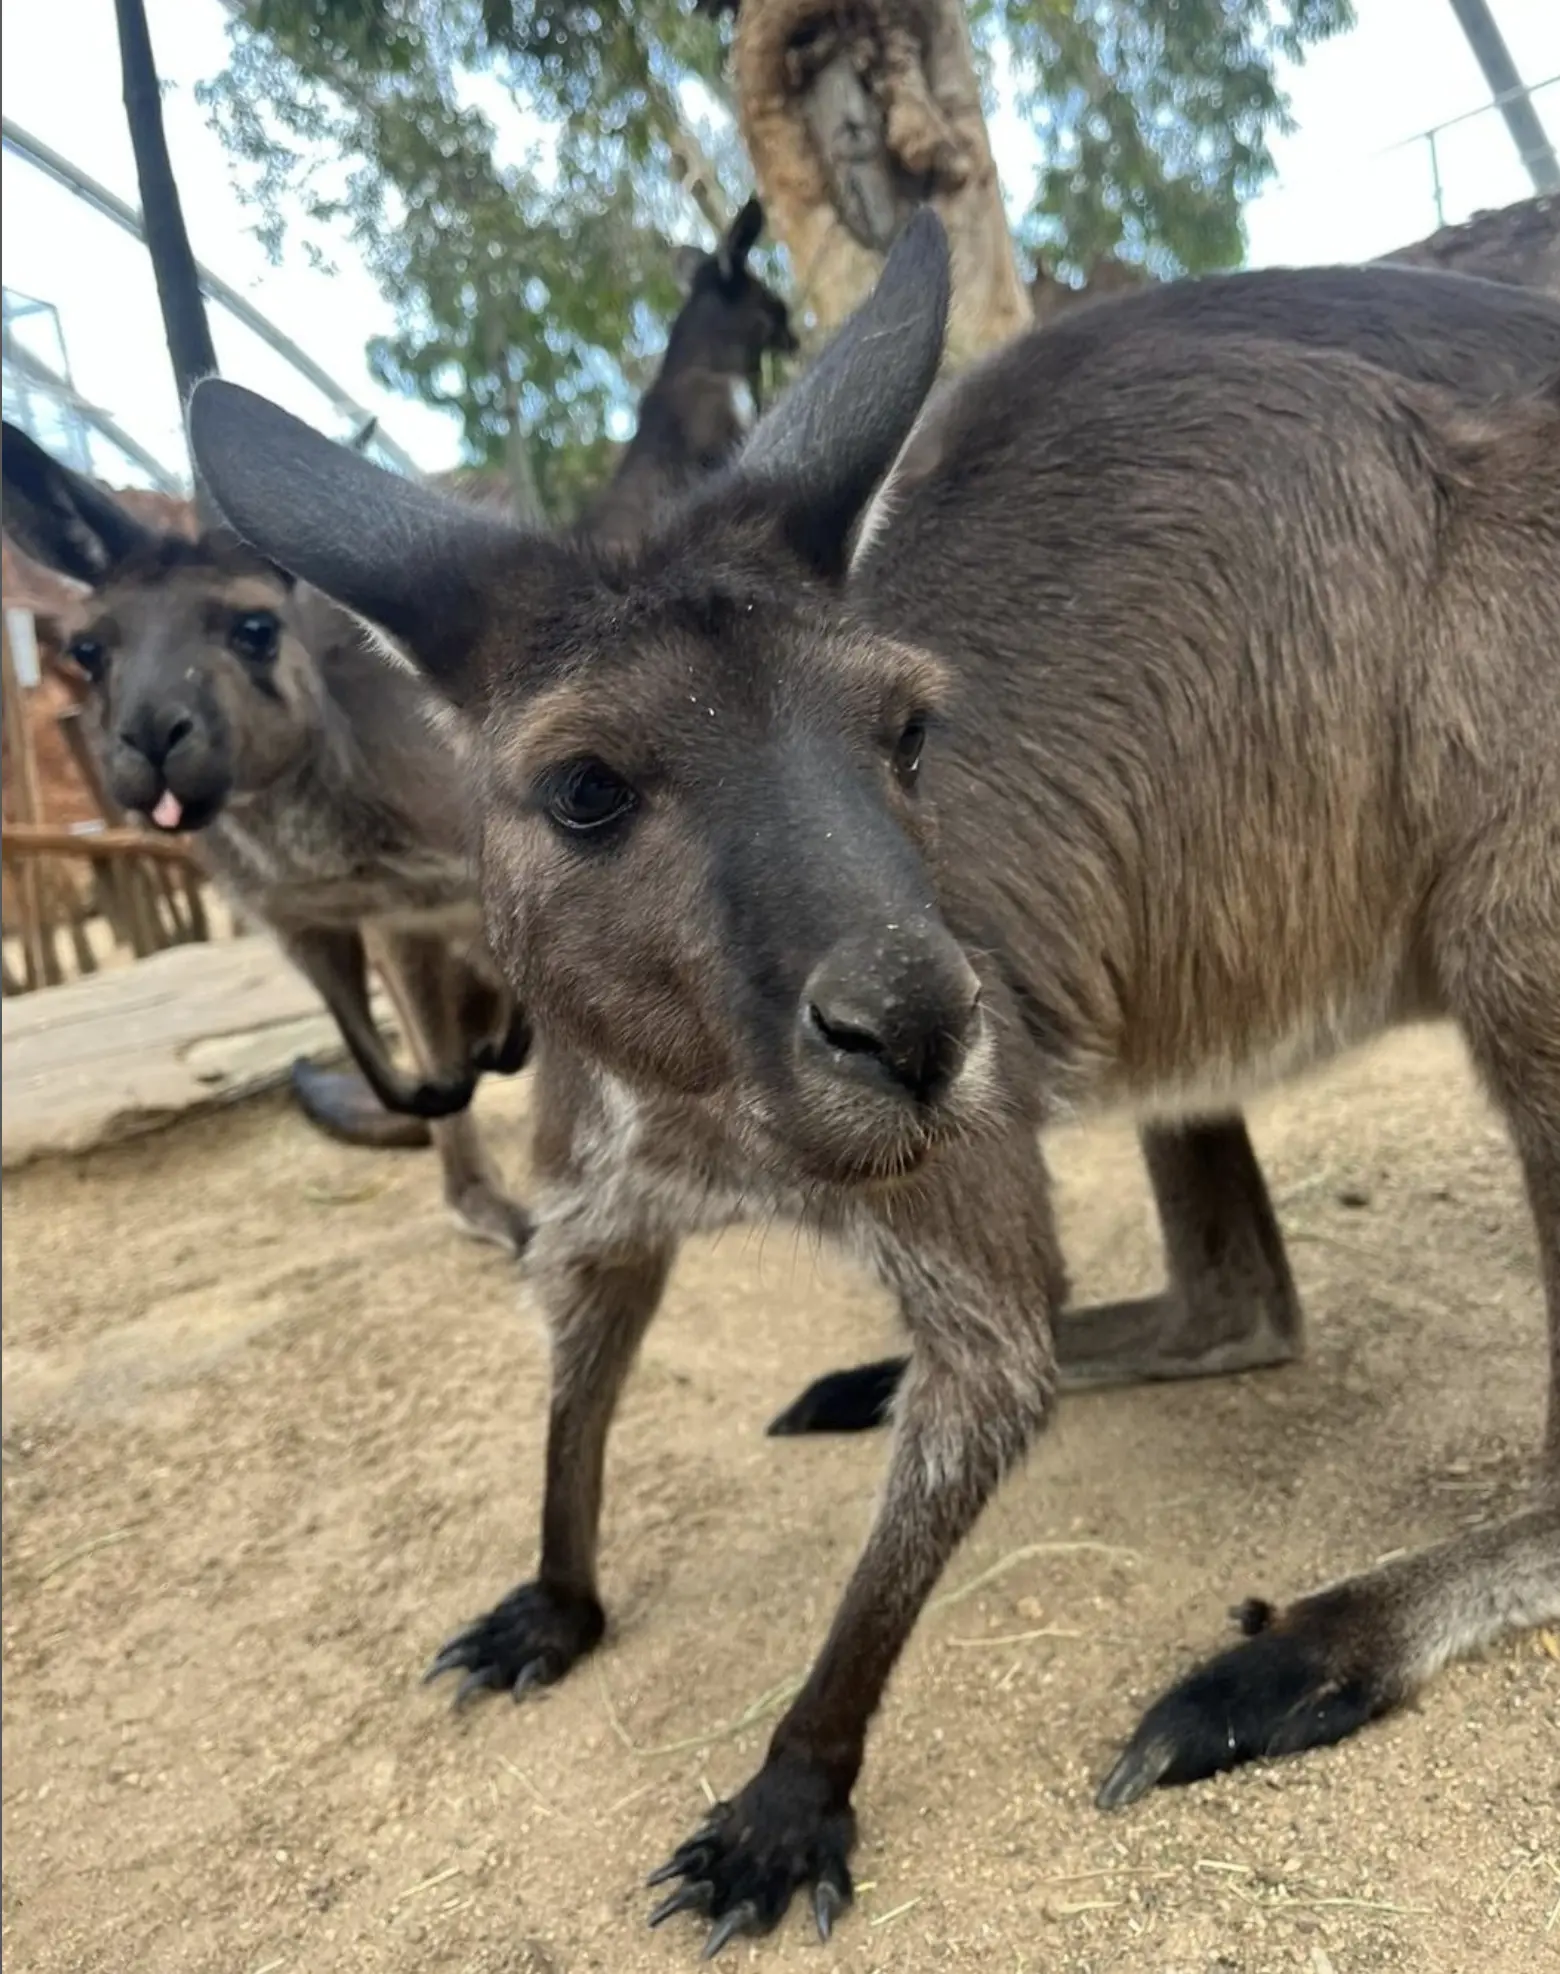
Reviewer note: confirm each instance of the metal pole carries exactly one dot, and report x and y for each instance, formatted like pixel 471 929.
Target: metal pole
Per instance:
pixel 1516 107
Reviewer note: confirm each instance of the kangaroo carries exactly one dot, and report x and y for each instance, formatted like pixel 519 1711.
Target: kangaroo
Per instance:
pixel 1470 337
pixel 690 419
pixel 234 703
pixel 689 423
pixel 1194 717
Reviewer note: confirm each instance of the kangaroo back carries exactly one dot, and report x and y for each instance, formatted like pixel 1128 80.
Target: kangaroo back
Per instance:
pixel 1479 338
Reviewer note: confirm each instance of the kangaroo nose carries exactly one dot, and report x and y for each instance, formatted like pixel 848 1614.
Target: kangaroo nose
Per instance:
pixel 158 732
pixel 903 1025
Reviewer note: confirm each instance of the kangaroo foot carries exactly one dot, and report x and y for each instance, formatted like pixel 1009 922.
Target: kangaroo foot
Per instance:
pixel 789 1829
pixel 340 1103
pixel 530 1639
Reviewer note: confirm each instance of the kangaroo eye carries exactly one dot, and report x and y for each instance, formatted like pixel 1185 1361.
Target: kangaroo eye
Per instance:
pixel 255 635
pixel 88 653
pixel 907 750
pixel 589 796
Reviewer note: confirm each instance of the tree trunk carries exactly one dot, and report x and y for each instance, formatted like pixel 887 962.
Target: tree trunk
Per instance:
pixel 853 115
pixel 173 264
pixel 524 495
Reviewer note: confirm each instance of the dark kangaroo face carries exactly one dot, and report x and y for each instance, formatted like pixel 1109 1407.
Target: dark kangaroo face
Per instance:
pixel 202 691
pixel 731 321
pixel 706 854
pixel 707 849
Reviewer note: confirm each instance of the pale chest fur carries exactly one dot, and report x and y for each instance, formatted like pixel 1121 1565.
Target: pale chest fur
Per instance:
pixel 300 858
pixel 640 1175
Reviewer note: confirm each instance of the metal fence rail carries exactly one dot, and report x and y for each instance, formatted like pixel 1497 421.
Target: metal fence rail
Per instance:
pixel 49 161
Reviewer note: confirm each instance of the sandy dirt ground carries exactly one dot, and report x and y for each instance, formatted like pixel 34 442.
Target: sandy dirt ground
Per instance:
pixel 271 1430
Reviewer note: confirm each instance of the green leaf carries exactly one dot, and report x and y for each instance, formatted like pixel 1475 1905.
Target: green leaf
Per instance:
pixel 531 282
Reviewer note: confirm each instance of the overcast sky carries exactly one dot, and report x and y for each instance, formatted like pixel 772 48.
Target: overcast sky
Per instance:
pixel 1348 186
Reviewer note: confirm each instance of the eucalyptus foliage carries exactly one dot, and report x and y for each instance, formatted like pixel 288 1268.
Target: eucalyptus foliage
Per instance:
pixel 513 175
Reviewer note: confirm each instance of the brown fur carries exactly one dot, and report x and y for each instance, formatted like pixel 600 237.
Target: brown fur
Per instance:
pixel 1243 744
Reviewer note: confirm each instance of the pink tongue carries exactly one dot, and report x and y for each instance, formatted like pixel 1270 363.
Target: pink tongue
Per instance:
pixel 169 812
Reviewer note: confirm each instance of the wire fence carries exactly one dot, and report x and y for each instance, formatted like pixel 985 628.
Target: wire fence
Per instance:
pixel 1537 157
pixel 1354 205
pixel 1420 182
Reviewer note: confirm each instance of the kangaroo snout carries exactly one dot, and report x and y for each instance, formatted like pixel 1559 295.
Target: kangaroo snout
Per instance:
pixel 168 764
pixel 158 731
pixel 898 1014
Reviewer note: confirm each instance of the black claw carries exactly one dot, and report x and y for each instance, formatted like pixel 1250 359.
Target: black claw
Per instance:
pixel 534 1674
pixel 694 1897
pixel 481 1679
pixel 687 1861
pixel 1138 1770
pixel 739 1920
pixel 447 1659
pixel 828 1903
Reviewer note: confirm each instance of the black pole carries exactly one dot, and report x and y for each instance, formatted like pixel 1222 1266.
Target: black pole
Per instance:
pixel 1515 105
pixel 162 217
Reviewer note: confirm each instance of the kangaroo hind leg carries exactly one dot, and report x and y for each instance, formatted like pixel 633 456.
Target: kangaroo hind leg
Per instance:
pixel 1322 1668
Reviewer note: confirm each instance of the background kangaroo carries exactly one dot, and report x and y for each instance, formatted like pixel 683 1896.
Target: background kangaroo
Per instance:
pixel 690 421
pixel 1195 718
pixel 327 800
pixel 232 702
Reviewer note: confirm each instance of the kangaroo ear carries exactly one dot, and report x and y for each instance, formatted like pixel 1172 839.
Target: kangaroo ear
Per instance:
pixel 740 239
pixel 60 518
pixel 686 262
pixel 411 562
pixel 818 455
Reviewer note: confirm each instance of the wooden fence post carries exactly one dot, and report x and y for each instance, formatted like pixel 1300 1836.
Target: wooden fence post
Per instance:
pixel 43 967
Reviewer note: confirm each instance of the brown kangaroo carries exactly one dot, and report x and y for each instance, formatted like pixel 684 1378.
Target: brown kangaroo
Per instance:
pixel 1184 714
pixel 1225 1252
pixel 327 802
